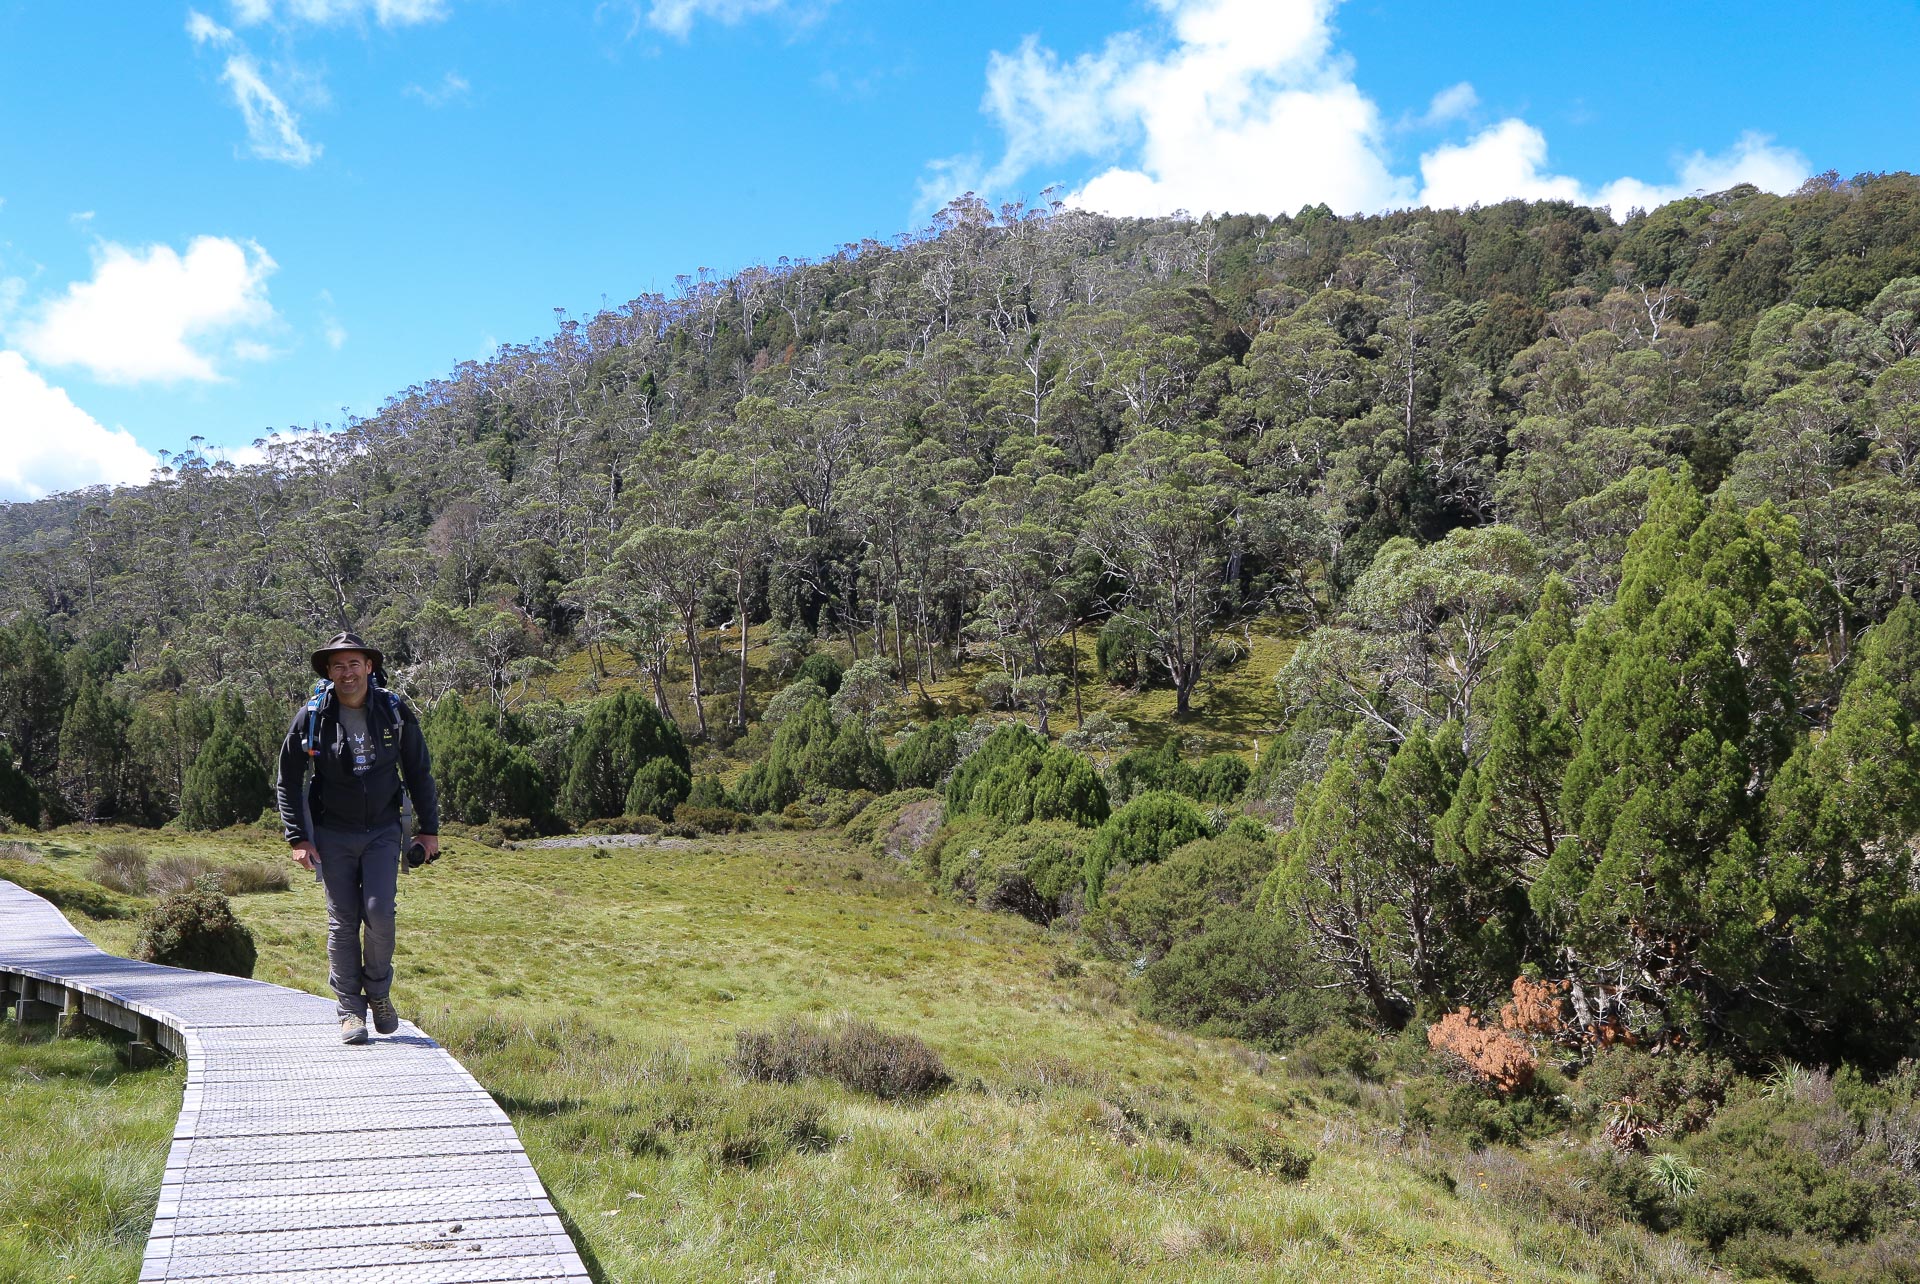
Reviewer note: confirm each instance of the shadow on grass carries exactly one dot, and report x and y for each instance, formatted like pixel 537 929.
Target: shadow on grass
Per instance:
pixel 594 1269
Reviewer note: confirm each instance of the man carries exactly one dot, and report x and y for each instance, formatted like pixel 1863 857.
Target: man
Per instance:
pixel 363 744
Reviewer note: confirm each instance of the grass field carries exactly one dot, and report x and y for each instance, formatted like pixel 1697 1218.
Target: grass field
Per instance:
pixel 598 995
pixel 1235 708
pixel 82 1145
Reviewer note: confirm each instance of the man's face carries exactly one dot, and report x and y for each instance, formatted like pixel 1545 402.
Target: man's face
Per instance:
pixel 349 670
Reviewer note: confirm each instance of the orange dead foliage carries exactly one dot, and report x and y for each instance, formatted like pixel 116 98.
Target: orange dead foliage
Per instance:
pixel 1537 1008
pixel 1493 1057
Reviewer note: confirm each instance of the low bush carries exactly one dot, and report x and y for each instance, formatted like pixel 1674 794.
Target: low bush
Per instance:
pixel 659 786
pixel 122 867
pixel 712 820
pixel 1263 1150
pixel 852 1052
pixel 955 856
pixel 1151 908
pixel 1793 1162
pixel 899 824
pixel 1246 975
pixel 1148 829
pixel 753 1130
pixel 622 825
pixel 1671 1095
pixel 196 929
pixel 75 895
pixel 252 877
pixel 177 873
pixel 1032 870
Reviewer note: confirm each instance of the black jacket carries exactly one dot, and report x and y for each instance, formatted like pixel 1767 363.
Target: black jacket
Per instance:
pixel 338 799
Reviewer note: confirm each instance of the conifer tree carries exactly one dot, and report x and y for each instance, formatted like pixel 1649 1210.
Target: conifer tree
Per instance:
pixel 19 800
pixel 226 784
pixel 481 776
pixel 619 736
pixel 93 751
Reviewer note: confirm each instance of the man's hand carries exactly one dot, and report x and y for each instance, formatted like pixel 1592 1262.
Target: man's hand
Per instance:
pixel 306 856
pixel 430 843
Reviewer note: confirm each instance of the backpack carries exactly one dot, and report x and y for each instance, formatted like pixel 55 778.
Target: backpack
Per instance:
pixel 323 688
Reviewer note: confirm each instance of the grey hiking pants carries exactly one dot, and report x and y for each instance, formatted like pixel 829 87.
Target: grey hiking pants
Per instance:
pixel 360 873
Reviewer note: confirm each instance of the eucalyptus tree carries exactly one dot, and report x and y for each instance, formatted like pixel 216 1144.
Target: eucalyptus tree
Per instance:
pixel 1163 516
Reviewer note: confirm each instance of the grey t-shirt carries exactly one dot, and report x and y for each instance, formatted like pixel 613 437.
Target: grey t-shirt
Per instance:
pixel 353 724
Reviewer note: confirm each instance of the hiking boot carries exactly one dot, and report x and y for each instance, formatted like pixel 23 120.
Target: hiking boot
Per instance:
pixel 385 1019
pixel 353 1030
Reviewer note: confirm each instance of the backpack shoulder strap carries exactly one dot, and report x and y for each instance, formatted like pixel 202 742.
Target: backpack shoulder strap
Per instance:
pixel 321 690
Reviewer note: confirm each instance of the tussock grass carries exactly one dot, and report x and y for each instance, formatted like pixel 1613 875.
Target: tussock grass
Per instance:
pixel 601 997
pixel 82 1146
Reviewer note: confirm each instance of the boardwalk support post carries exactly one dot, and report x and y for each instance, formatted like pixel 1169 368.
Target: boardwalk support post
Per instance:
pixel 33 1006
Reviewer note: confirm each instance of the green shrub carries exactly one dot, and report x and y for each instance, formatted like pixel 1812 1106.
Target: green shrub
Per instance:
pixel 75 895
pixel 622 825
pixel 707 791
pixel 1146 769
pixel 1016 777
pixel 923 759
pixel 196 929
pixel 852 1052
pixel 1221 778
pixel 481 775
pixel 1033 870
pixel 1152 907
pixel 712 820
pixel 1124 652
pixel 659 786
pixel 809 754
pixel 226 784
pixel 1677 1091
pixel 619 736
pixel 122 867
pixel 1245 975
pixel 957 852
pixel 899 824
pixel 823 670
pixel 1791 1161
pixel 1146 830
pixel 1339 1049
pixel 1009 742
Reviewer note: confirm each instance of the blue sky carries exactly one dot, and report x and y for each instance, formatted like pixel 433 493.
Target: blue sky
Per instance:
pixel 234 217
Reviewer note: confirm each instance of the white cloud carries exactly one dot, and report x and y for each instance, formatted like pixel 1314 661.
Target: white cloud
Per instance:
pixel 1246 105
pixel 150 314
pixel 452 85
pixel 1754 159
pixel 273 131
pixel 1451 103
pixel 388 13
pixel 1509 160
pixel 48 444
pixel 676 17
pixel 1496 164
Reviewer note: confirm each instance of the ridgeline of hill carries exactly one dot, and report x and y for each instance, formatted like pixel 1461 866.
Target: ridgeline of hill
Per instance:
pixel 1469 652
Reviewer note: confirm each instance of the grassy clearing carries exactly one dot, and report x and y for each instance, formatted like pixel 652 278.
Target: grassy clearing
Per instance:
pixel 82 1146
pixel 1235 708
pixel 600 997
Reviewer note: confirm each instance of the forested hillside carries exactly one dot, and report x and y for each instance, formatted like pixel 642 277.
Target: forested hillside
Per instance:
pixel 1575 556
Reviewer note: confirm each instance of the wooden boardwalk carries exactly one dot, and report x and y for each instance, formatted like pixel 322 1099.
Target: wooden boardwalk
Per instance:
pixel 297 1159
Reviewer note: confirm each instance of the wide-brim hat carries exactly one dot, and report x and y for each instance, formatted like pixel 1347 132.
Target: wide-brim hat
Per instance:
pixel 346 642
